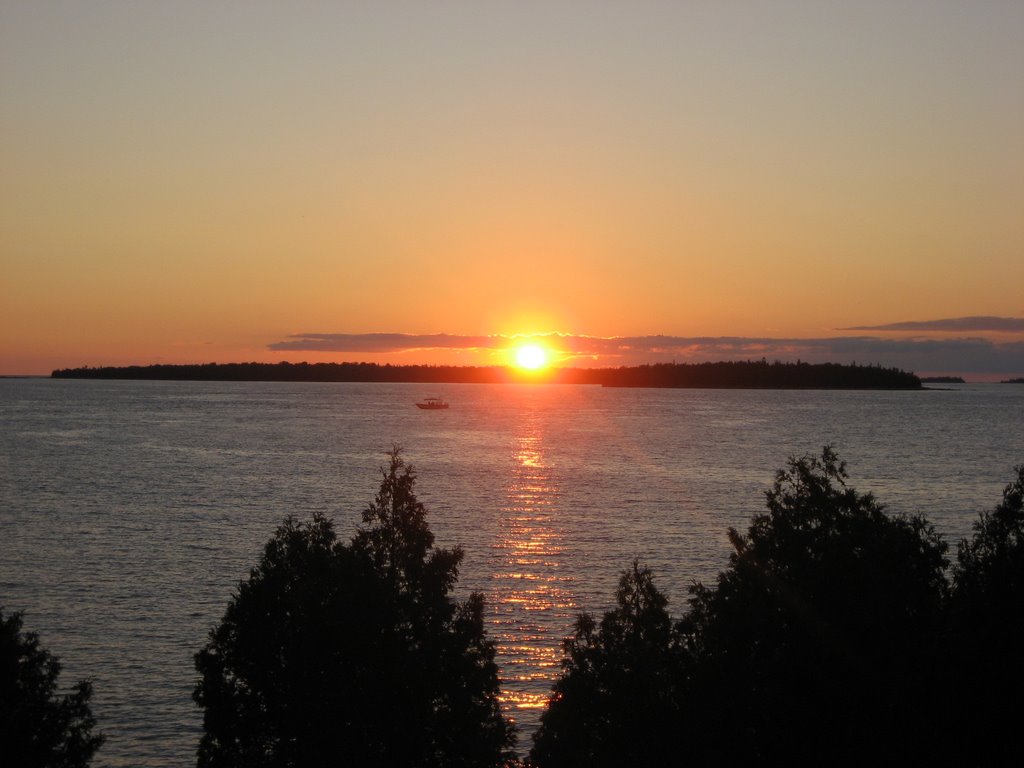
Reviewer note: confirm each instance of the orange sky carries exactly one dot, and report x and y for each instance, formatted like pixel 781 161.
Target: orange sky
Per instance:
pixel 195 182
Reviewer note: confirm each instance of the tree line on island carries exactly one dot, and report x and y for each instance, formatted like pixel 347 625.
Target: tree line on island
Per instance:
pixel 748 374
pixel 837 634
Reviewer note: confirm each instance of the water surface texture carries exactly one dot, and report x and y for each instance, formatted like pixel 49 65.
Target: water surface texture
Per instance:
pixel 129 511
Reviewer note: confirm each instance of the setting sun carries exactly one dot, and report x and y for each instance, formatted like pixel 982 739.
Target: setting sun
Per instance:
pixel 531 357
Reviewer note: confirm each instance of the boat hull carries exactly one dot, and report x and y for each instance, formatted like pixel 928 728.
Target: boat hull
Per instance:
pixel 432 404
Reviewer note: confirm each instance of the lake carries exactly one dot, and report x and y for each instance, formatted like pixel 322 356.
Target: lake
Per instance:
pixel 129 511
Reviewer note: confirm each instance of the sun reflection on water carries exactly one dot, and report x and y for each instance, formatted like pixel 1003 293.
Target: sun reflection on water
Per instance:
pixel 531 591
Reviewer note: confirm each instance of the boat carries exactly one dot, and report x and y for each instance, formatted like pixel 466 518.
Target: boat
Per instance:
pixel 432 404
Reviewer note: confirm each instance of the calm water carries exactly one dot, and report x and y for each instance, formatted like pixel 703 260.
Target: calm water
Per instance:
pixel 129 511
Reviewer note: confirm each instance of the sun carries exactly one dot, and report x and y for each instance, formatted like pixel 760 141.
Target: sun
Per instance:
pixel 531 356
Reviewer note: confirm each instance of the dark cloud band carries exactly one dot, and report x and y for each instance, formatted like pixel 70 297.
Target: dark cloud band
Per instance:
pixel 383 342
pixel 955 325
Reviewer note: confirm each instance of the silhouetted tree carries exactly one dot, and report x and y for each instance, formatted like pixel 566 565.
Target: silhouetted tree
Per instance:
pixel 616 703
pixel 353 654
pixel 987 687
pixel 38 727
pixel 816 643
pixel 988 577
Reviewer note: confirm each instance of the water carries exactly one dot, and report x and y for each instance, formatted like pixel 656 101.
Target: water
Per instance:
pixel 129 511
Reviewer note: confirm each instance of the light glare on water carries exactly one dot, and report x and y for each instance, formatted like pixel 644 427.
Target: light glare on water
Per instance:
pixel 530 578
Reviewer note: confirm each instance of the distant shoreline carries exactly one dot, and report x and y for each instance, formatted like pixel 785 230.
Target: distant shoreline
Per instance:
pixel 748 374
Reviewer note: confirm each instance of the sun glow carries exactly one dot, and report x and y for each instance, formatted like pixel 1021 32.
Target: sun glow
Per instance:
pixel 532 357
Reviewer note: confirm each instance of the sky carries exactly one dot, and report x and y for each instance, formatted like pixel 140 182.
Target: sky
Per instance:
pixel 430 182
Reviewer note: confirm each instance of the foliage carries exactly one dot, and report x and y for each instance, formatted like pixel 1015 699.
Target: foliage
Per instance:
pixel 816 644
pixel 988 577
pixel 38 727
pixel 353 653
pixel 816 640
pixel 616 701
pixel 987 631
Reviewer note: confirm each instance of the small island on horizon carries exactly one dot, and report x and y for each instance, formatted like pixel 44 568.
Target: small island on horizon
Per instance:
pixel 757 374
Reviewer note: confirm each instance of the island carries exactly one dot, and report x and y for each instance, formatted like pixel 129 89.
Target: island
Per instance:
pixel 749 374
pixel 1013 381
pixel 942 380
pixel 761 375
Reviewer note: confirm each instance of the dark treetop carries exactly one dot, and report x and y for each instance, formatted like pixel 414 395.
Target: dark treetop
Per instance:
pixel 39 726
pixel 353 654
pixel 833 637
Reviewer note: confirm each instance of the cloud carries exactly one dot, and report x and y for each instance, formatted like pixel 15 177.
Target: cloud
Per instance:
pixel 962 355
pixel 383 342
pixel 955 325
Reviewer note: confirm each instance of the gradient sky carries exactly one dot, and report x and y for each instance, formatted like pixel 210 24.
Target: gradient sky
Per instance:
pixel 226 181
